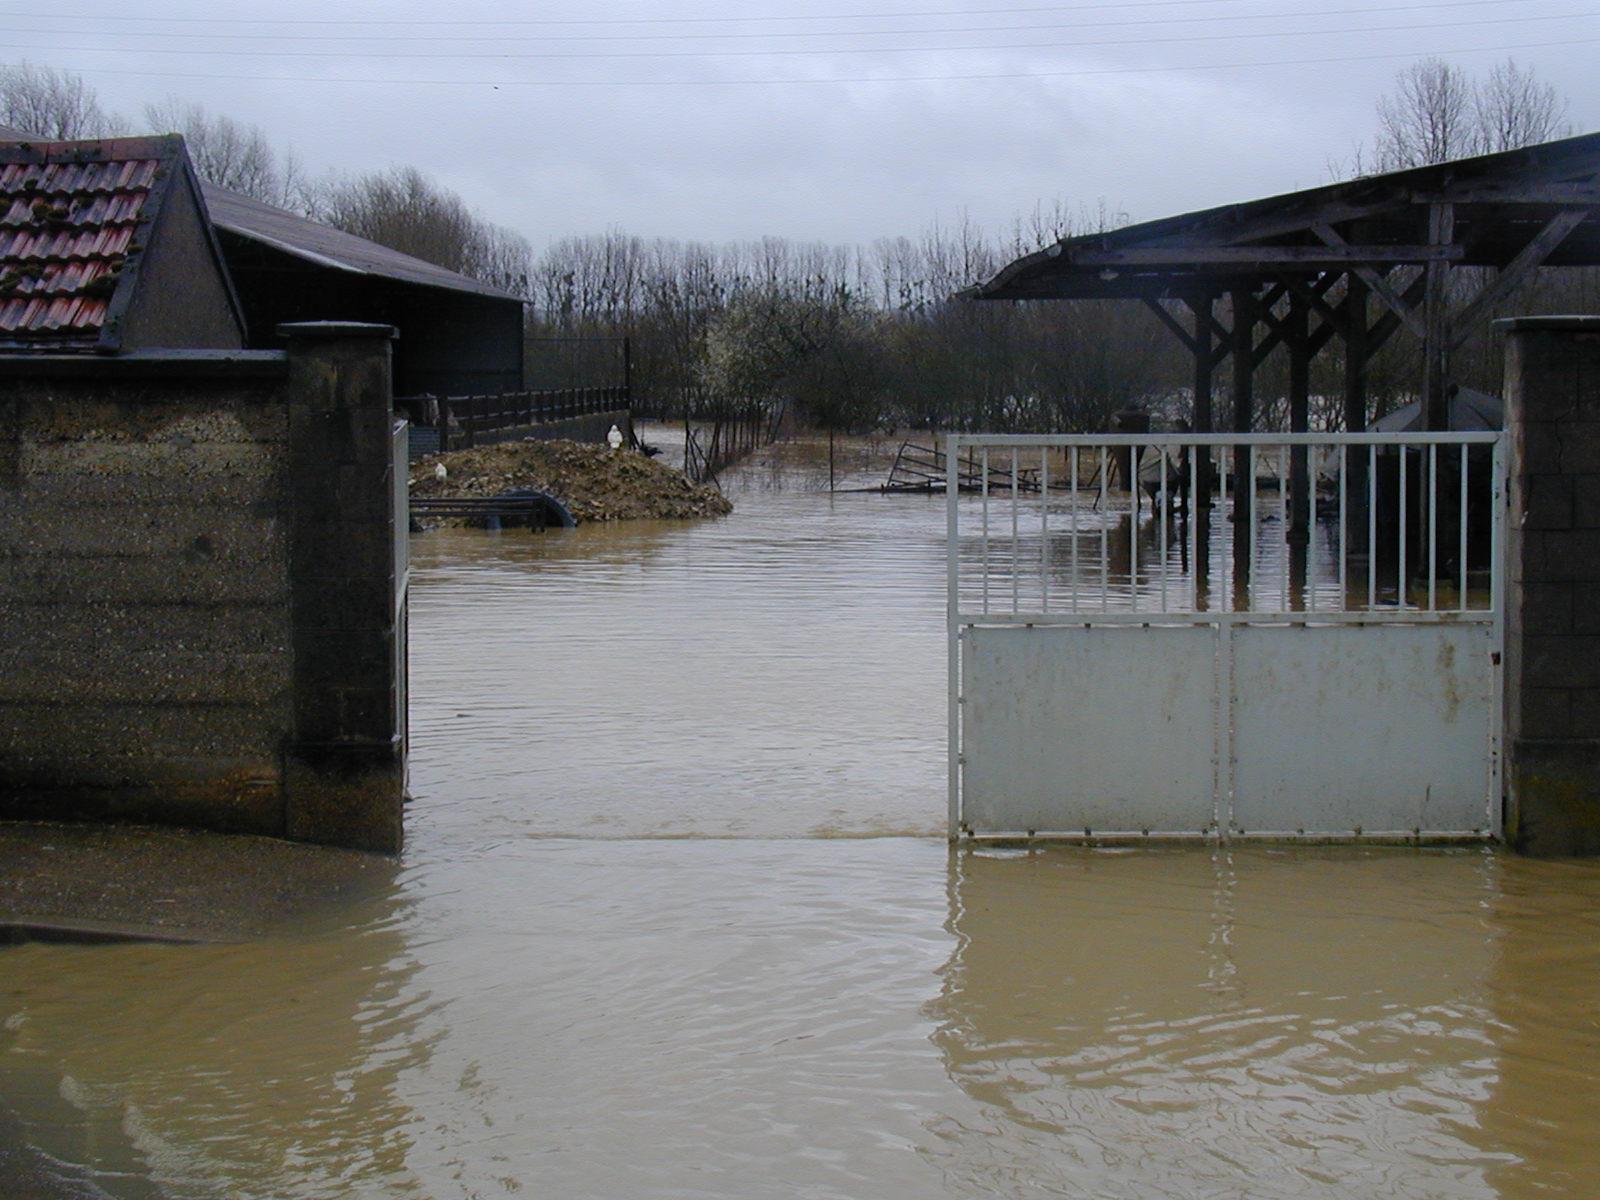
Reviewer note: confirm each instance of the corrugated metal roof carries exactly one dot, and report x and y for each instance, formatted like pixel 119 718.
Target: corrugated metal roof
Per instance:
pixel 329 247
pixel 71 219
pixel 1500 202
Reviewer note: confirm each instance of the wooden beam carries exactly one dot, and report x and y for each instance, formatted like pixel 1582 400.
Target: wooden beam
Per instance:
pixel 1204 308
pixel 1585 191
pixel 1386 325
pixel 1314 298
pixel 1243 335
pixel 1519 268
pixel 1355 356
pixel 1357 351
pixel 1244 363
pixel 1298 335
pixel 1171 322
pixel 1203 320
pixel 1310 257
pixel 1436 323
pixel 1276 326
pixel 1379 285
pixel 1229 227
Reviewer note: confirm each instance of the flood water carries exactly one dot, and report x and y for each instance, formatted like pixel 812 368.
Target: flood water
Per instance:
pixel 676 919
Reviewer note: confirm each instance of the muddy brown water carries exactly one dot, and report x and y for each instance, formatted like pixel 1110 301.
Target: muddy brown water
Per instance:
pixel 675 921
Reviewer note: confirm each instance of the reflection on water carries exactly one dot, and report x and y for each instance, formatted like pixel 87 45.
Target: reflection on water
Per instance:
pixel 744 1009
pixel 776 673
pixel 1314 1020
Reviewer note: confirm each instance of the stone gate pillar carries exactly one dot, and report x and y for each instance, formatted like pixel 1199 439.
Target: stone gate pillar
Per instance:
pixel 1552 678
pixel 344 770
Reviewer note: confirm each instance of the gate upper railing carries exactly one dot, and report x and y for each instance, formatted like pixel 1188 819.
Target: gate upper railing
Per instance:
pixel 1213 528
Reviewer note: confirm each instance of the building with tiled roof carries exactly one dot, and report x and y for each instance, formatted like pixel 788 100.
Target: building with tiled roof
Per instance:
pixel 106 247
pixel 116 245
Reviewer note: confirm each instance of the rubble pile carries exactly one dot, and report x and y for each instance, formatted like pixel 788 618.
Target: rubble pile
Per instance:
pixel 596 483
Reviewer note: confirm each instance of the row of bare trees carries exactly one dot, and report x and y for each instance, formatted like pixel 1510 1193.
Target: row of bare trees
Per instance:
pixel 850 337
pixel 841 336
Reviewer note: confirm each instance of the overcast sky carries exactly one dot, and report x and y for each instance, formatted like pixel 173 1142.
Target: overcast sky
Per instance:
pixel 826 120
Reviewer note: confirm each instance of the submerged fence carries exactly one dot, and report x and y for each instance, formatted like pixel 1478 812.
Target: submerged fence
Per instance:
pixel 1192 634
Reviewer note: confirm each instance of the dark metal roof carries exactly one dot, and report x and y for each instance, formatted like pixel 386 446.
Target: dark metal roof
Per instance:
pixel 1469 410
pixel 322 244
pixel 1500 201
pixel 74 218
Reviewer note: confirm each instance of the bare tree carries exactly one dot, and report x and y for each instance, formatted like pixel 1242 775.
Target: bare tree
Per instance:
pixel 1428 119
pixel 1437 112
pixel 227 152
pixel 52 104
pixel 1512 109
pixel 405 210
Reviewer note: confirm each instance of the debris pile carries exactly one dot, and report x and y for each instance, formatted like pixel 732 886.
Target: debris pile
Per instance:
pixel 596 483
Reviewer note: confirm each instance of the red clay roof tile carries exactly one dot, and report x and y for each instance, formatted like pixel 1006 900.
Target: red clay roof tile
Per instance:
pixel 69 216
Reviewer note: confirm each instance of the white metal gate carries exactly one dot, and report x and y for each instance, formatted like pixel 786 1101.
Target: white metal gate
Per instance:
pixel 1267 635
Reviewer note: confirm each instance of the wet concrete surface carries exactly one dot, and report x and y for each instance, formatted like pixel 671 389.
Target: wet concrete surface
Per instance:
pixel 64 882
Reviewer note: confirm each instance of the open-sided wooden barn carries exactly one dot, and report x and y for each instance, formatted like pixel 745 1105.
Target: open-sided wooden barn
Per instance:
pixel 1300 269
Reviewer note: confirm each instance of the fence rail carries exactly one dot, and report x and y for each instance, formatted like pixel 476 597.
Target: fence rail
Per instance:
pixel 1212 528
pixel 462 421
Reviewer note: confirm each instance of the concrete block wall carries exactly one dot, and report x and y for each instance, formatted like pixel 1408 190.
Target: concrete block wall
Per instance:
pixel 162 609
pixel 1553 585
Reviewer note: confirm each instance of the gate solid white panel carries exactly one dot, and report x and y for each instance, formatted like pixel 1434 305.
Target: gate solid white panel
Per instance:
pixel 1312 652
pixel 1362 730
pixel 1109 730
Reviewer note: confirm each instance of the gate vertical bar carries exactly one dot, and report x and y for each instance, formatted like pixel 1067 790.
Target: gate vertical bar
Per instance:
pixel 1400 582
pixel 1016 548
pixel 1310 599
pixel 1228 575
pixel 1372 527
pixel 1250 567
pixel 1044 529
pixel 1433 528
pixel 1072 497
pixel 1163 523
pixel 1105 548
pixel 983 486
pixel 952 492
pixel 1497 600
pixel 1462 549
pixel 1133 527
pixel 1285 457
pixel 1344 528
pixel 1196 512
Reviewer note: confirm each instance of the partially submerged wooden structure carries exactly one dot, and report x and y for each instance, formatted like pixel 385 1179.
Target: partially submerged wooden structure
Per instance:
pixel 1300 269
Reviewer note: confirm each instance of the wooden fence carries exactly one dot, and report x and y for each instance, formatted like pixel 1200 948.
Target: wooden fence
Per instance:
pixel 460 421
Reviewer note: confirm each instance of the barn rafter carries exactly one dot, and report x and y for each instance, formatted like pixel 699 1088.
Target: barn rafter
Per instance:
pixel 1303 268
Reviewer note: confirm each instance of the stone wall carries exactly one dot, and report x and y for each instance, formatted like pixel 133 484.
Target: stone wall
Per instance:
pixel 198 589
pixel 1553 582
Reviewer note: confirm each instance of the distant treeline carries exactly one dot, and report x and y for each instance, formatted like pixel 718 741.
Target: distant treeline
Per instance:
pixel 855 337
pixel 846 337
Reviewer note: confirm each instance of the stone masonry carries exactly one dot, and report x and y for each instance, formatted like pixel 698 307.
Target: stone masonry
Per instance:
pixel 1553 586
pixel 200 589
